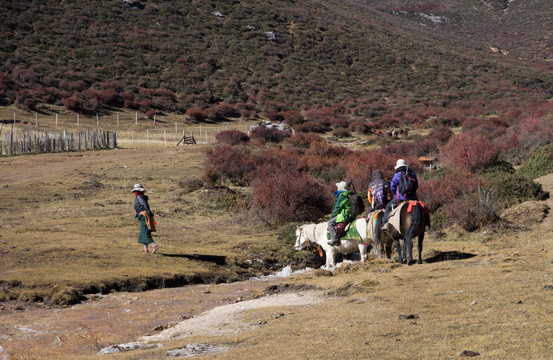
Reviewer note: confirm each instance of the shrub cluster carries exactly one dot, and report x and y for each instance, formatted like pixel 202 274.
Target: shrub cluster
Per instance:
pixel 232 137
pixel 539 164
pixel 283 195
pixel 470 152
pixel 270 134
pixel 234 163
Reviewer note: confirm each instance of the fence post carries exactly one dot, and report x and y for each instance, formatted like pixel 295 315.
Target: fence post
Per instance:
pixel 136 118
pixel 11 139
pixel 132 138
pixel 97 121
pixel 165 137
pixel 117 120
pixel 148 137
pixel 176 127
pixel 78 119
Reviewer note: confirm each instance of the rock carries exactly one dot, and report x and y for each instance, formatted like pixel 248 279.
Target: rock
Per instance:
pixel 469 353
pixel 408 317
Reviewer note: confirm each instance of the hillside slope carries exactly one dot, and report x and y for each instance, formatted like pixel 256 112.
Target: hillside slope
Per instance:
pixel 172 56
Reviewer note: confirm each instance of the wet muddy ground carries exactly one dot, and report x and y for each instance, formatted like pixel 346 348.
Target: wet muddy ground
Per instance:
pixel 31 331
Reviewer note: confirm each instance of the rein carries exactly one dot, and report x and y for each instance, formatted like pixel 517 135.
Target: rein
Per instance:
pixel 308 246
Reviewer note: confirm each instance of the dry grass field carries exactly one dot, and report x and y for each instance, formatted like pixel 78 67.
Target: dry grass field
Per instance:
pixel 67 228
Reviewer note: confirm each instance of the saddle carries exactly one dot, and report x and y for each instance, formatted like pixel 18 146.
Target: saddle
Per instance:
pixel 394 219
pixel 347 232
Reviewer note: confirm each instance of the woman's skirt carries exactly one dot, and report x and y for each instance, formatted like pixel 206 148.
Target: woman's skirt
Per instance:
pixel 144 236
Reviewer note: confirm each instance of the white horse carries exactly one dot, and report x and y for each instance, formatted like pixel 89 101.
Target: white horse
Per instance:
pixel 316 233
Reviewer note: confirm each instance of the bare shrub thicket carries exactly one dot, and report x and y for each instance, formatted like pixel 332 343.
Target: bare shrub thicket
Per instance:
pixel 232 137
pixel 281 195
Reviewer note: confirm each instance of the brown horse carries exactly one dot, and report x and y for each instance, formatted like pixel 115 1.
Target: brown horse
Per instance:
pixel 406 222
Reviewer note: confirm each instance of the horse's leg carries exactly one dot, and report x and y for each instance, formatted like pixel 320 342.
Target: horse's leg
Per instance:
pixel 398 249
pixel 378 236
pixel 363 252
pixel 330 258
pixel 408 248
pixel 421 238
pixel 416 224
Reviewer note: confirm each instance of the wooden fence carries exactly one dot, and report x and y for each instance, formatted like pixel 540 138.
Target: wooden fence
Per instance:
pixel 31 141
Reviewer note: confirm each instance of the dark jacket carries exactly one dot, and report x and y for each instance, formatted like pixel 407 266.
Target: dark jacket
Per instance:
pixel 141 204
pixel 395 184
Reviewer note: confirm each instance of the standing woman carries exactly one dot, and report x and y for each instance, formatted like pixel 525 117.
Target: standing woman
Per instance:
pixel 146 218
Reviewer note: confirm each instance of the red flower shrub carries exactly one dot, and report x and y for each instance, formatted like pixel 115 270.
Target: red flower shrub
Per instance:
pixel 281 195
pixel 232 137
pixel 234 163
pixel 469 151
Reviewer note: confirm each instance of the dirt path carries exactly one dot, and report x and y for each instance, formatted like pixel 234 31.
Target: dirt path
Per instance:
pixel 86 328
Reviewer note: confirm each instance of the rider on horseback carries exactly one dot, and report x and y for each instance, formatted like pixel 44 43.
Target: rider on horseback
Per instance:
pixel 402 174
pixel 341 213
pixel 379 193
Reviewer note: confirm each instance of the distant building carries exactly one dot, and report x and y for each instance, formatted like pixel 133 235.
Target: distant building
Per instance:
pixel 428 163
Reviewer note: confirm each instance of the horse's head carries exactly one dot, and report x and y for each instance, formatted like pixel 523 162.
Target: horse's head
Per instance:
pixel 301 238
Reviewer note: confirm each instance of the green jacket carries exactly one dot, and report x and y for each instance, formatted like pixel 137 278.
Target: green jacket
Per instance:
pixel 342 207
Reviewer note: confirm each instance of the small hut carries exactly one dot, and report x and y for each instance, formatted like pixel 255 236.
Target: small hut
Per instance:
pixel 428 163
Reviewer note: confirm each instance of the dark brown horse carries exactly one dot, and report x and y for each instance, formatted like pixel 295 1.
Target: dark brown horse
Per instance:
pixel 410 220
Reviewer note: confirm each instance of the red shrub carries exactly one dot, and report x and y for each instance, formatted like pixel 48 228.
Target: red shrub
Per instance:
pixel 234 163
pixel 313 126
pixel 232 137
pixel 270 134
pixel 285 158
pixel 442 190
pixel 441 133
pixel 304 140
pixel 470 152
pixel 281 195
pixel 339 121
pixel 196 114
pixel 72 103
pixel 360 126
pixel 292 117
pixel 361 165
pixel 341 133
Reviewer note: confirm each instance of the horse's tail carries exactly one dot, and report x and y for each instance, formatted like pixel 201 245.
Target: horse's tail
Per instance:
pixel 419 214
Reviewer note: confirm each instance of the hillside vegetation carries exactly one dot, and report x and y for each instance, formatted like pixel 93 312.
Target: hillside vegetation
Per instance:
pixel 263 57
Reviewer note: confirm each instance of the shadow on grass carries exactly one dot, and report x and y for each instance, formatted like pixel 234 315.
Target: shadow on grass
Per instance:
pixel 449 255
pixel 218 260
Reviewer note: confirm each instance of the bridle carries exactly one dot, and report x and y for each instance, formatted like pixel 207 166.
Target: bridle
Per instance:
pixel 299 244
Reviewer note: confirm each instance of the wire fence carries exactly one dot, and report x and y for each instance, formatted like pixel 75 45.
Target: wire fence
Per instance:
pixel 34 133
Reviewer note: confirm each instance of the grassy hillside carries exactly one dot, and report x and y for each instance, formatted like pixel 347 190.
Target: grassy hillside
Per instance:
pixel 257 56
pixel 517 29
